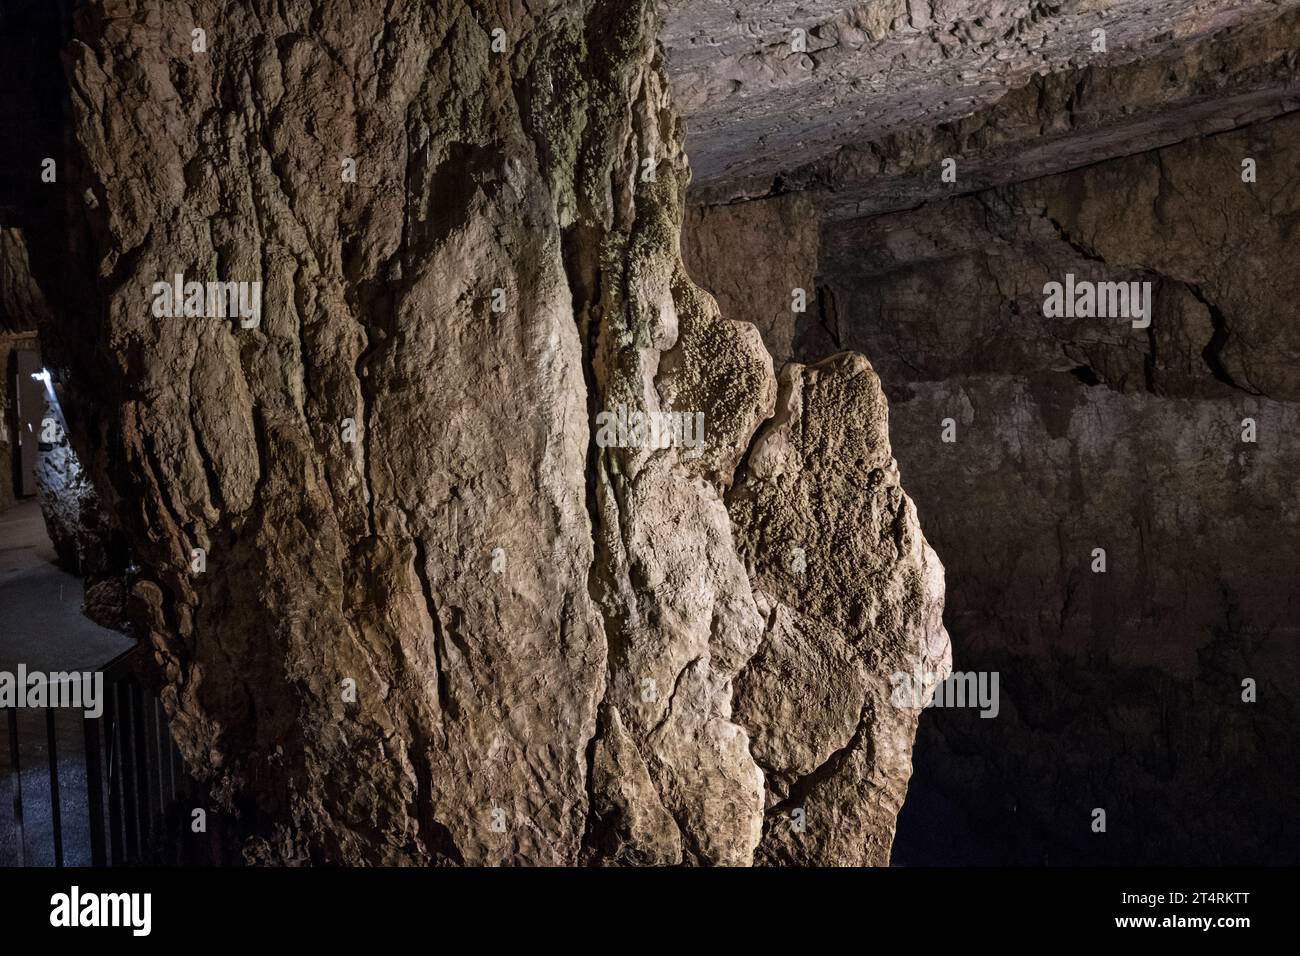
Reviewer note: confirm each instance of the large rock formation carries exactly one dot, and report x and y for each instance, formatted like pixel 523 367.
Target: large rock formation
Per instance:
pixel 854 601
pixel 410 601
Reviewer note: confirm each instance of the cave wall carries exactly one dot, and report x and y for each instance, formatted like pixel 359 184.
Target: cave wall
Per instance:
pixel 1120 690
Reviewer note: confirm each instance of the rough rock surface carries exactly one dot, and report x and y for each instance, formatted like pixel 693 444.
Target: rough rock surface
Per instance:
pixel 472 634
pixel 956 288
pixel 63 489
pixel 759 253
pixel 886 88
pixel 22 303
pixel 84 534
pixel 1123 689
pixel 853 597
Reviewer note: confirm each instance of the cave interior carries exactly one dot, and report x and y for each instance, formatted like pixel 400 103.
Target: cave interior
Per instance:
pixel 561 652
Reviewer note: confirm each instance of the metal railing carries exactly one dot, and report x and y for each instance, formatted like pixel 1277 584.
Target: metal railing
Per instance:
pixel 135 793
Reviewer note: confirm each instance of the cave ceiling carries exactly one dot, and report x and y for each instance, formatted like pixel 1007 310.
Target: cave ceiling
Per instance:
pixel 883 91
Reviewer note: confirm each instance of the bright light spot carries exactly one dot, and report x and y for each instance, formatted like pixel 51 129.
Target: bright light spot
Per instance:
pixel 44 376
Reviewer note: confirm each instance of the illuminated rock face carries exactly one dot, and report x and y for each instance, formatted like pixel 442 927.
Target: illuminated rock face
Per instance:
pixel 853 598
pixel 406 607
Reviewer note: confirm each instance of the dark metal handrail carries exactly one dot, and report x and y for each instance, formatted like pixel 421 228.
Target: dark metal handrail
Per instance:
pixel 131 760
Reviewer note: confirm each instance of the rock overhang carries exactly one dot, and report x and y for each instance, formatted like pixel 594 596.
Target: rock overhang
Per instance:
pixel 784 95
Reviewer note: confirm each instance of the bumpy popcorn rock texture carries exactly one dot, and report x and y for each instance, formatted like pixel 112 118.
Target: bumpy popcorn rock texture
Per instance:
pixel 854 601
pixel 470 635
